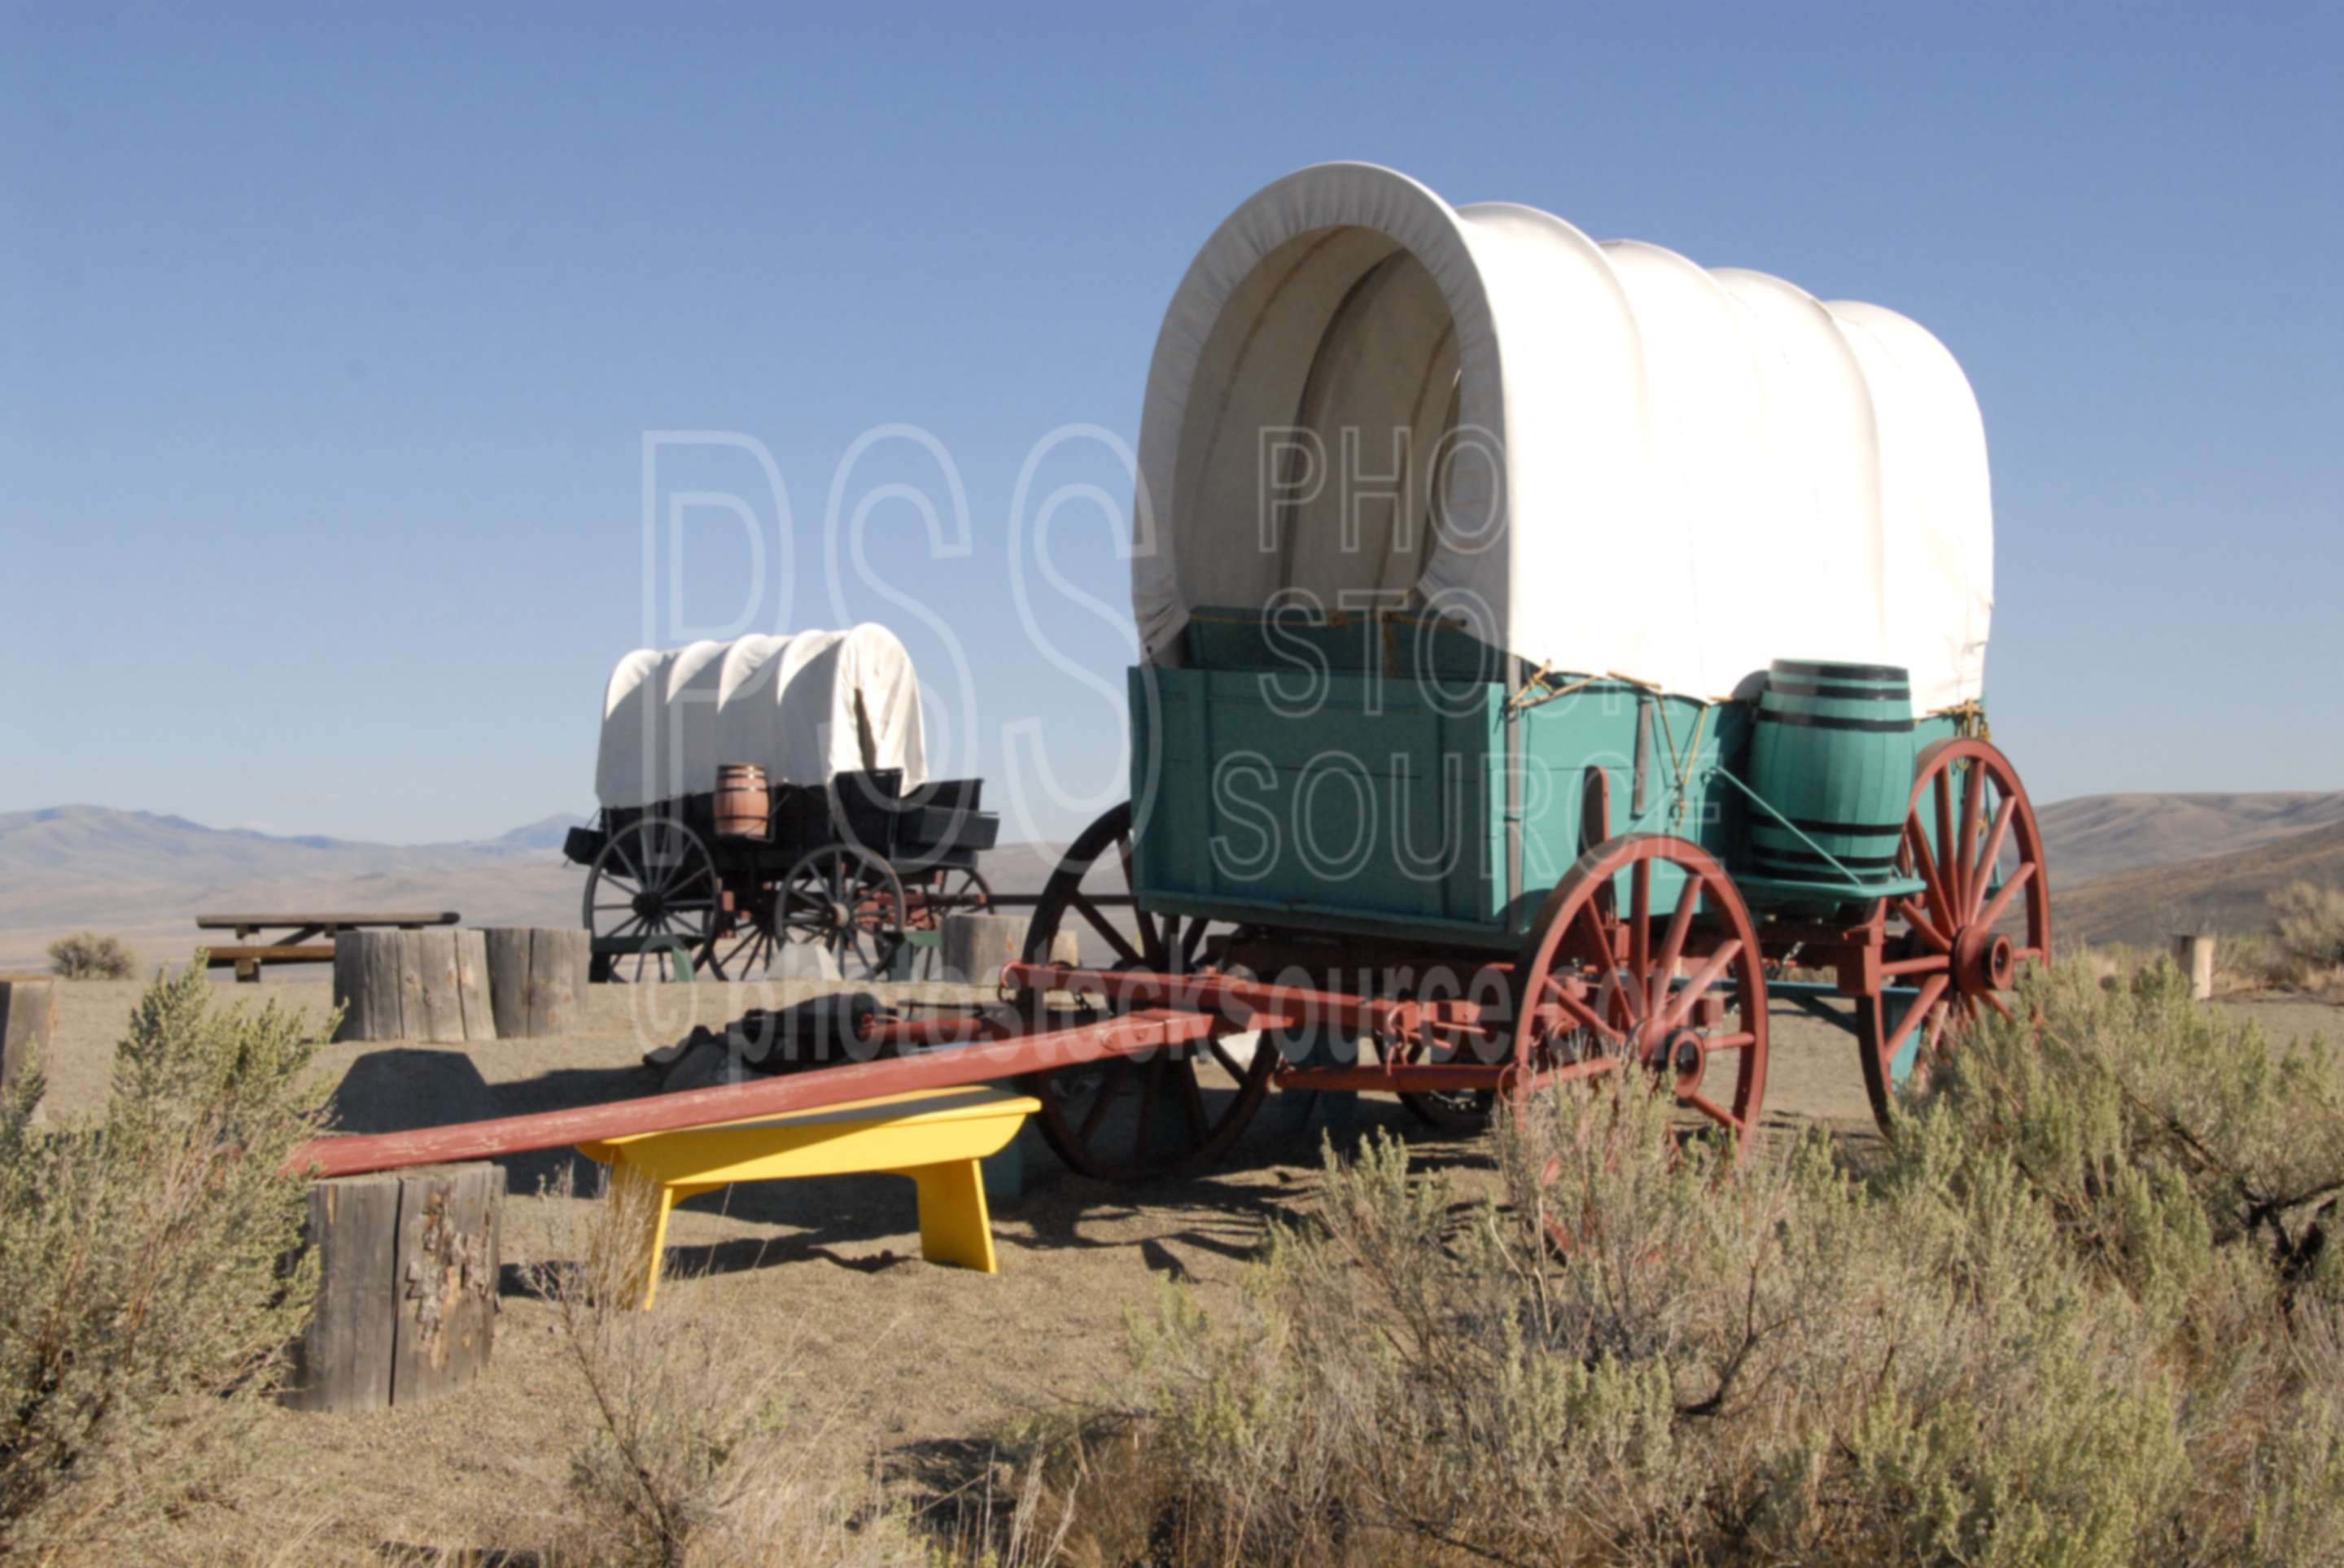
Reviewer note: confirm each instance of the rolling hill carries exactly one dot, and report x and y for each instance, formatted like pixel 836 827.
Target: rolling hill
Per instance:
pixel 2095 836
pixel 2225 892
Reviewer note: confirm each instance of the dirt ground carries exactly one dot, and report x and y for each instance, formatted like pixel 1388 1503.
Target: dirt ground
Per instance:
pixel 889 1357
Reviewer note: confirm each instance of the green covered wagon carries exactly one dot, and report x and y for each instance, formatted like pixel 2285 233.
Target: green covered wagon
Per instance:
pixel 1550 650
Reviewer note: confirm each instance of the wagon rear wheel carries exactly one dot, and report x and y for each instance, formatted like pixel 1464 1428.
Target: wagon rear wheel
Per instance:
pixel 847 901
pixel 1970 835
pixel 1128 1118
pixel 1644 955
pixel 651 901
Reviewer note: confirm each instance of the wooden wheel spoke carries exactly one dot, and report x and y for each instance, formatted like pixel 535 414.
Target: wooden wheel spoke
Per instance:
pixel 1982 873
pixel 1933 992
pixel 1923 927
pixel 1586 1017
pixel 1996 1003
pixel 1601 935
pixel 1714 1111
pixel 1681 1004
pixel 1117 1072
pixel 1192 1101
pixel 2001 905
pixel 1104 926
pixel 1159 935
pixel 1948 865
pixel 1193 944
pixel 1151 1079
pixel 1664 967
pixel 1640 926
pixel 1924 866
pixel 1973 799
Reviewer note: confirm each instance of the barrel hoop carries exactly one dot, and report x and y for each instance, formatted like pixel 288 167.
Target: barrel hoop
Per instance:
pixel 1805 859
pixel 1825 721
pixel 1839 693
pixel 1860 829
pixel 1841 671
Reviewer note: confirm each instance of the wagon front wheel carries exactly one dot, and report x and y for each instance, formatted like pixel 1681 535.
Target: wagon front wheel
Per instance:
pixel 651 901
pixel 1645 956
pixel 1983 913
pixel 1128 1118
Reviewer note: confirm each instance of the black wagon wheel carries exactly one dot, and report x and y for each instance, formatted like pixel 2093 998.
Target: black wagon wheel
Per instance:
pixel 1129 1118
pixel 847 901
pixel 745 946
pixel 651 901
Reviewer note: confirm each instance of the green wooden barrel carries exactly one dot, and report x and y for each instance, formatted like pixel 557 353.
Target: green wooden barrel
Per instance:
pixel 1831 751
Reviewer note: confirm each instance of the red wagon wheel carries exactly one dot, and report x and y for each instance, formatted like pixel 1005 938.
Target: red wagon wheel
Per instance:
pixel 1651 984
pixel 1970 835
pixel 1128 1118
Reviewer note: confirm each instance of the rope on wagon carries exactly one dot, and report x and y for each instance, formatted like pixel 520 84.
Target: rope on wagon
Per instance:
pixel 1684 765
pixel 1969 718
pixel 1523 701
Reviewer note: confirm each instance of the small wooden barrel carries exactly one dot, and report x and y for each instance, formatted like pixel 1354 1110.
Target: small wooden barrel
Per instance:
pixel 744 808
pixel 1832 752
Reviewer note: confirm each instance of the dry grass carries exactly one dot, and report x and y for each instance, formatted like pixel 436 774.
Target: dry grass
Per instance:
pixel 701 1450
pixel 92 956
pixel 2082 1313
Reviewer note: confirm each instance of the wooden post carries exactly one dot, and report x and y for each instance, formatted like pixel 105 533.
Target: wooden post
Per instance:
pixel 367 986
pixel 976 945
pixel 537 980
pixel 558 958
pixel 408 985
pixel 472 985
pixel 407 1288
pixel 443 1001
pixel 28 1022
pixel 508 956
pixel 2194 954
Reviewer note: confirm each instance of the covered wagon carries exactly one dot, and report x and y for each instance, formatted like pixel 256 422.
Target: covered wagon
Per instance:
pixel 1554 640
pixel 766 790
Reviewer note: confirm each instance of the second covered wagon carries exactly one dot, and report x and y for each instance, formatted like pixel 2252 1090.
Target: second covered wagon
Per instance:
pixel 771 791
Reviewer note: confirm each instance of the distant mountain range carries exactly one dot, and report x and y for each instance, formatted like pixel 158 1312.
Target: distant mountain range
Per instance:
pixel 2134 868
pixel 145 875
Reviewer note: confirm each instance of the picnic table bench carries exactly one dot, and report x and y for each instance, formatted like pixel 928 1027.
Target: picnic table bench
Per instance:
pixel 291 939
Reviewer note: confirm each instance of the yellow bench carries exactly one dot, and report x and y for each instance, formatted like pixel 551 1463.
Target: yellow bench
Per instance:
pixel 935 1137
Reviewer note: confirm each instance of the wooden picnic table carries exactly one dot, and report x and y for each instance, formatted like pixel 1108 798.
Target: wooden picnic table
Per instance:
pixel 296 943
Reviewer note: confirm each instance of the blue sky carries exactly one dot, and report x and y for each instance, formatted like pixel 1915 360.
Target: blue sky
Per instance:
pixel 328 341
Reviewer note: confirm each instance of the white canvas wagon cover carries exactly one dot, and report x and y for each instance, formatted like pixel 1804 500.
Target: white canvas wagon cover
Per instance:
pixel 1602 457
pixel 805 707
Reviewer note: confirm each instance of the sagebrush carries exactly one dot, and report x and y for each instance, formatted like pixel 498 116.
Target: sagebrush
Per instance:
pixel 92 956
pixel 2083 1312
pixel 145 1296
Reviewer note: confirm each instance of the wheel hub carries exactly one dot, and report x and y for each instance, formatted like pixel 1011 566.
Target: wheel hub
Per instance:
pixel 1679 1052
pixel 1984 961
pixel 648 905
